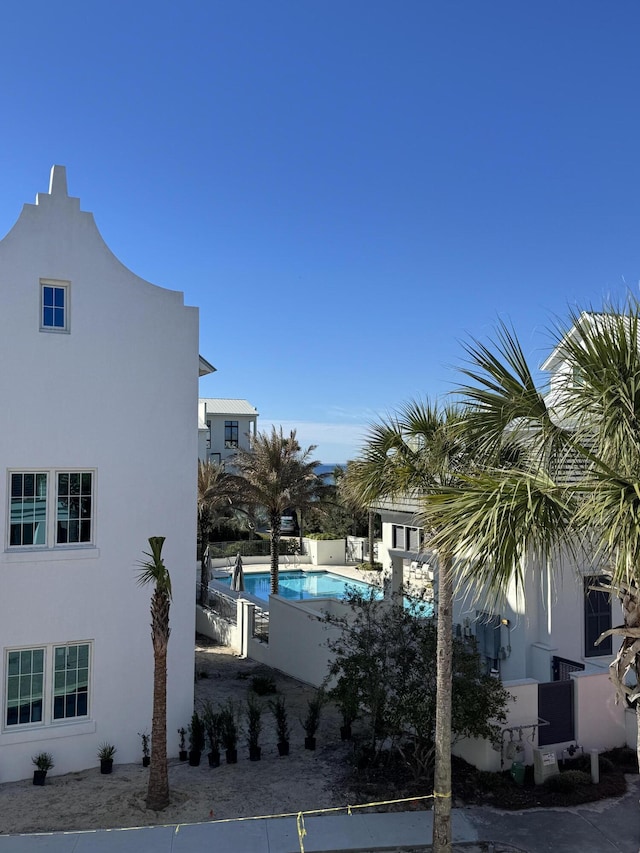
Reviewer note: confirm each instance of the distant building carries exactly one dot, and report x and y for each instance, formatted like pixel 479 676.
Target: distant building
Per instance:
pixel 87 477
pixel 224 427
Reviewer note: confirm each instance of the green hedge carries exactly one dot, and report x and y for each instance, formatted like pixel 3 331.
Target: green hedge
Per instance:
pixel 322 536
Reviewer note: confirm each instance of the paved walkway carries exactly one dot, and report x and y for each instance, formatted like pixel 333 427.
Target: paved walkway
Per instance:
pixel 604 827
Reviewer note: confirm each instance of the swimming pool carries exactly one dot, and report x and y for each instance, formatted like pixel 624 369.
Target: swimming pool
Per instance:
pixel 298 586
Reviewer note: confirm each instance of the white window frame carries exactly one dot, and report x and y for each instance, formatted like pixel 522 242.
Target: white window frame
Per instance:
pixel 66 287
pixel 53 510
pixel 47 499
pixel 48 687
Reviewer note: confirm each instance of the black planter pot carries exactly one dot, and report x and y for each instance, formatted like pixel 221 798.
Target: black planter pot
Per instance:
pixel 194 757
pixel 106 765
pixel 184 755
pixel 309 743
pixel 214 759
pixel 39 776
pixel 255 753
pixel 146 760
pixel 345 732
pixel 283 748
pixel 231 756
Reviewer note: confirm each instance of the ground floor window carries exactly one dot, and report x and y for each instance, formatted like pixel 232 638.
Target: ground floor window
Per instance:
pixel 597 618
pixel 47 684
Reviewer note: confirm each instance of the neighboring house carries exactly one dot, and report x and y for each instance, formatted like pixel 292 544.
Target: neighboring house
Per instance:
pixel 224 427
pixel 87 478
pixel 545 634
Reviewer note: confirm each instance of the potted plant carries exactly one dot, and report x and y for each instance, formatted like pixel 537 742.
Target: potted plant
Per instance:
pixel 279 710
pixel 312 720
pixel 146 757
pixel 106 751
pixel 229 731
pixel 44 762
pixel 196 739
pixel 211 721
pixel 183 746
pixel 254 727
pixel 348 704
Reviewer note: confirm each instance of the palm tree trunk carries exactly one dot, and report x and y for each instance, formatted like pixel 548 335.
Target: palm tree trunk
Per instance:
pixel 441 840
pixel 275 552
pixel 158 790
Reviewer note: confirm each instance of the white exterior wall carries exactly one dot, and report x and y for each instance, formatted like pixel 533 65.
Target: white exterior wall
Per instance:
pixel 83 400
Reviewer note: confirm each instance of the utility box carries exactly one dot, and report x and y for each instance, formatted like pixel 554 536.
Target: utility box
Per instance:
pixel 545 765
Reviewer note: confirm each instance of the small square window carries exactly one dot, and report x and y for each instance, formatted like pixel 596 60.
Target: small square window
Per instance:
pixel 54 315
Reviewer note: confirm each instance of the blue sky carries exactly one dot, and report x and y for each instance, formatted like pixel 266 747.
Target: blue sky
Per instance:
pixel 347 189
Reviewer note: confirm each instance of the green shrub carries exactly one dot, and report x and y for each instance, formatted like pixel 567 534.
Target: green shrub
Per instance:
pixel 369 567
pixel 567 781
pixel 624 758
pixel 263 685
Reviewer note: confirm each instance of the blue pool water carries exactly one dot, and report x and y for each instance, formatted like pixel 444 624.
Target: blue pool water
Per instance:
pixel 298 586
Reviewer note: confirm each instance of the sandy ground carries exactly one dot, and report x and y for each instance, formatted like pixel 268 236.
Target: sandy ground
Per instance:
pixel 303 780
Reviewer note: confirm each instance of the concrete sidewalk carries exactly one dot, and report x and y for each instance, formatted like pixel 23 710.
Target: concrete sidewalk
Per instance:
pixel 604 827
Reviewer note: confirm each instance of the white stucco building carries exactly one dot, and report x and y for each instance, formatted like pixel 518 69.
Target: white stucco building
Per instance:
pixel 541 641
pixel 224 427
pixel 87 476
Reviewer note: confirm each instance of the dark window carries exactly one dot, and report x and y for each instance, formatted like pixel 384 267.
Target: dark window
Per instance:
pixel 488 639
pixel 74 512
pixel 597 618
pixel 397 536
pixel 53 307
pixel 231 433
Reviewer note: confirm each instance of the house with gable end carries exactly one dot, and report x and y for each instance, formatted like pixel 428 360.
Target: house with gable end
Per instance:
pixel 87 476
pixel 224 426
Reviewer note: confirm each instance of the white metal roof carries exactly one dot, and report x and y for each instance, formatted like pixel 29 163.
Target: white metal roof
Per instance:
pixel 226 406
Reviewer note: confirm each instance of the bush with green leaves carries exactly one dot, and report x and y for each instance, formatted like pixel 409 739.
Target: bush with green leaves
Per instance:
pixel 567 781
pixel 263 685
pixel 385 659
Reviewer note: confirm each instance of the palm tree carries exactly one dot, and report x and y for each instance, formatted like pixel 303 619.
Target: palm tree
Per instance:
pixel 216 493
pixel 420 452
pixel 153 571
pixel 575 487
pixel 276 473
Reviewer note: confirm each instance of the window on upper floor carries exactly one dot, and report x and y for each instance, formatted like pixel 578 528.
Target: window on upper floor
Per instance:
pixel 231 433
pixel 28 509
pixel 32 523
pixel 597 618
pixel 47 684
pixel 54 308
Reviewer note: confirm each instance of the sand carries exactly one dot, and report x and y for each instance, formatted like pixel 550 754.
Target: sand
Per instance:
pixel 303 780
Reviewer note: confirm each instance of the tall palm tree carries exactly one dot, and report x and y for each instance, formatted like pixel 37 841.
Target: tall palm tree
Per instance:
pixel 276 473
pixel 420 452
pixel 217 491
pixel 153 571
pixel 576 485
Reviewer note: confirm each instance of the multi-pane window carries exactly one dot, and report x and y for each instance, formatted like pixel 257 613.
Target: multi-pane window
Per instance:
pixel 28 509
pixel 70 681
pixel 597 618
pixel 74 507
pixel 47 685
pixel 231 433
pixel 54 307
pixel 51 508
pixel 25 687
